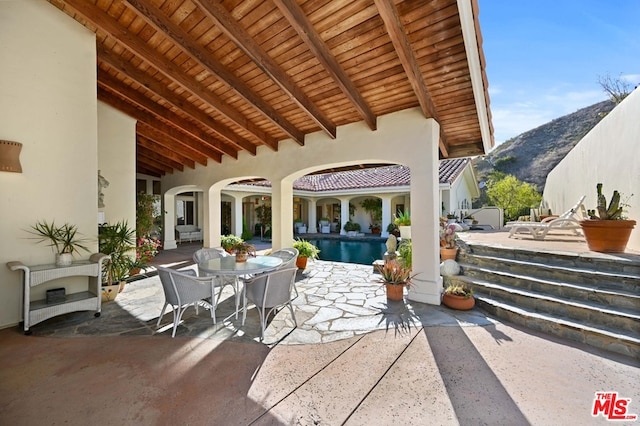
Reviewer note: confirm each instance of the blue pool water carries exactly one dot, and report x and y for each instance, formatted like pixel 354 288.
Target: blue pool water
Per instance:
pixel 363 252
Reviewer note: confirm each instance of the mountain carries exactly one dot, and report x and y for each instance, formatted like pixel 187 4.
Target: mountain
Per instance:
pixel 530 156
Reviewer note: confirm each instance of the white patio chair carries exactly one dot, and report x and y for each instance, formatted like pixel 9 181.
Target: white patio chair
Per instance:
pixel 268 292
pixel 205 254
pixel 288 256
pixel 181 291
pixel 568 222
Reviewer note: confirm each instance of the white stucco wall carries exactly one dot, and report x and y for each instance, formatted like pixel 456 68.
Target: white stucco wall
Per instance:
pixel 48 103
pixel 608 154
pixel 414 141
pixel 117 163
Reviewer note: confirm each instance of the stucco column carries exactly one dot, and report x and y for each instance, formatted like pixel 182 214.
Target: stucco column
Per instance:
pixel 212 217
pixel 169 220
pixel 427 284
pixel 387 217
pixel 344 214
pixel 311 215
pixel 281 214
pixel 236 226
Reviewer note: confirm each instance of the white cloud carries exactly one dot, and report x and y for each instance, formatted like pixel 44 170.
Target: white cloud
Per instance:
pixel 631 78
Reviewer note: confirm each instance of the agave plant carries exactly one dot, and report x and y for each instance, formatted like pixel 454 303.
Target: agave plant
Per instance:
pixel 394 272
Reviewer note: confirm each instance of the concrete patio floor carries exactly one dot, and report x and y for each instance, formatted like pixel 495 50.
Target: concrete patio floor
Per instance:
pixel 446 368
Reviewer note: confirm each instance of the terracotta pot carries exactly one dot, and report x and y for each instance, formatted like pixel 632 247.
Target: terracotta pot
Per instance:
pixel 607 236
pixel 301 262
pixel 241 257
pixel 134 271
pixel 395 291
pixel 109 292
pixel 461 303
pixel 448 253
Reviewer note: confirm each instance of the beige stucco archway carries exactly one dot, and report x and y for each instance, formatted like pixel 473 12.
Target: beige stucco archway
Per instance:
pixel 404 137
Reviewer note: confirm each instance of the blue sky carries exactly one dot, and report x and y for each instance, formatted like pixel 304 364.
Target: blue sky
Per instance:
pixel 544 57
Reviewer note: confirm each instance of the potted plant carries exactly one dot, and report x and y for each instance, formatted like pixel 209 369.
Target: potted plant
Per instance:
pixel 352 228
pixel 306 251
pixel 395 276
pixel 405 250
pixel 227 242
pixel 403 220
pixel 64 239
pixel 448 236
pixel 373 206
pixel 146 250
pixel 458 296
pixel 392 228
pixel 117 241
pixel 243 250
pixel 607 230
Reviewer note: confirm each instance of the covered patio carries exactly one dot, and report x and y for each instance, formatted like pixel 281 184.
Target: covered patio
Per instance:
pixel 413 363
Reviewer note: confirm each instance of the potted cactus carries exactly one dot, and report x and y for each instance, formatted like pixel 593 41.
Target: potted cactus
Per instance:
pixel 607 230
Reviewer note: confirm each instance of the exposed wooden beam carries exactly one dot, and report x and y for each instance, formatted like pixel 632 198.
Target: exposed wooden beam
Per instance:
pixel 230 27
pixel 167 68
pixel 169 142
pixel 391 18
pixel 162 24
pixel 188 142
pixel 142 158
pixel 133 96
pixel 161 149
pixel 155 155
pixel 298 20
pixel 148 169
pixel 159 89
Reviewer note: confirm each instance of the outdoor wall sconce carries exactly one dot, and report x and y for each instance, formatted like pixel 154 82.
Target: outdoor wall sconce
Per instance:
pixel 10 156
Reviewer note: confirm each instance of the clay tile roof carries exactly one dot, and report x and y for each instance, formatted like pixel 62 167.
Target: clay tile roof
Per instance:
pixel 378 177
pixel 355 179
pixel 449 170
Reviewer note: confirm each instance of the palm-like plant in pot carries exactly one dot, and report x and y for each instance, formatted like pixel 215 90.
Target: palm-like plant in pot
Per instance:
pixel 403 221
pixel 607 230
pixel 64 239
pixel 118 241
pixel 395 276
pixel 306 250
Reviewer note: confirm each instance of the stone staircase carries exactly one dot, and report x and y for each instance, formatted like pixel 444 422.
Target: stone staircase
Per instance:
pixel 589 299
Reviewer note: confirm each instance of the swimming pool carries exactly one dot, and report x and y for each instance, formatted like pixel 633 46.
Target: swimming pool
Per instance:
pixel 363 252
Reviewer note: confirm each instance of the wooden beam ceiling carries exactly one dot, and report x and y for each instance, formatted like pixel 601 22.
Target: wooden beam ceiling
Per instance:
pixel 210 79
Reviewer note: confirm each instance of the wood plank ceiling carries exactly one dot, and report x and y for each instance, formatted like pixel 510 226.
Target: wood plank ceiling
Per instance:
pixel 208 78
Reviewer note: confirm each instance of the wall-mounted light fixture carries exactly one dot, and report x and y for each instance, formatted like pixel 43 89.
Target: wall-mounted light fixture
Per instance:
pixel 10 156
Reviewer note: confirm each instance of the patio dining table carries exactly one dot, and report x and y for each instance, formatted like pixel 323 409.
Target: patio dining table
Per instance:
pixel 225 266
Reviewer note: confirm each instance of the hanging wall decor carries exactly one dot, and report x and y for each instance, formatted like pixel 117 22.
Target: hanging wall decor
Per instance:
pixel 10 156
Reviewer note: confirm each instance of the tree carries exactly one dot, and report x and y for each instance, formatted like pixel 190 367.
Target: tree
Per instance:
pixel 616 88
pixel 513 196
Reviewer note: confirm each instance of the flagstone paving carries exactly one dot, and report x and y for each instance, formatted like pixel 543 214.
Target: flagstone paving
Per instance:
pixel 336 301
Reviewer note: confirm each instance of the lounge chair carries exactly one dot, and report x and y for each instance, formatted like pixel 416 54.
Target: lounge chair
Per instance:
pixel 568 222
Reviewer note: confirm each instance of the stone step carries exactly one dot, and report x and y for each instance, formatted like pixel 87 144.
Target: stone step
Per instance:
pixel 586 289
pixel 609 340
pixel 618 263
pixel 596 279
pixel 588 313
